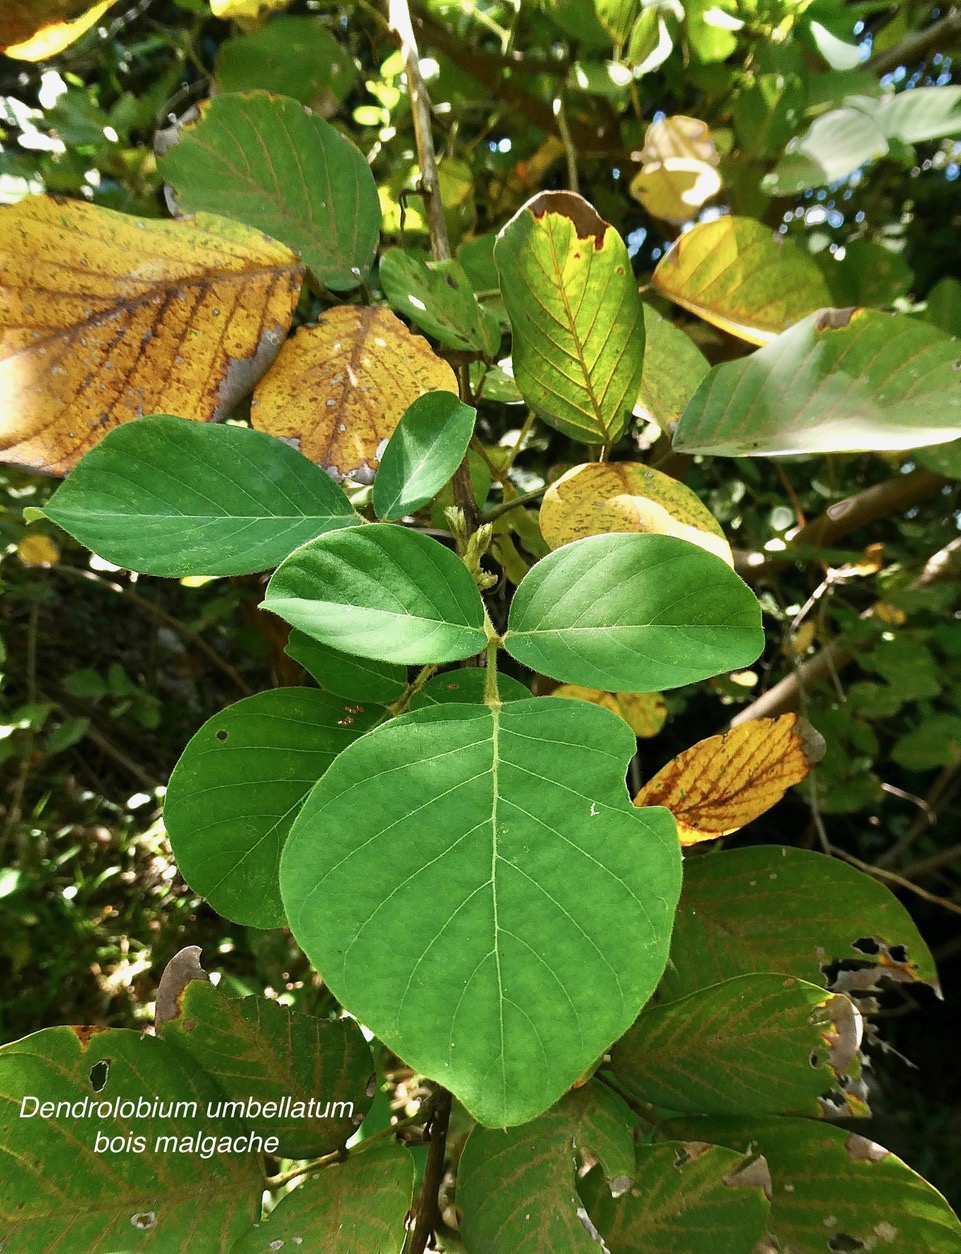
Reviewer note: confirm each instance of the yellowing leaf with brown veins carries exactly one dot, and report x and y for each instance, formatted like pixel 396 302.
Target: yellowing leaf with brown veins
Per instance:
pixel 643 712
pixel 339 389
pixel 105 318
pixel 34 30
pixel 721 783
pixel 601 497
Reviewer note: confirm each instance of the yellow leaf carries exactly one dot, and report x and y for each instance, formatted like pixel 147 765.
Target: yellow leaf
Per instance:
pixel 36 549
pixel 105 318
pixel 678 172
pixel 601 497
pixel 721 783
pixel 339 389
pixel 643 712
pixel 36 31
pixel 248 14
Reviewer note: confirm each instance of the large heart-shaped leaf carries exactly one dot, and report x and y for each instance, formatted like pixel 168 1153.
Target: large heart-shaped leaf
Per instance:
pixel 393 595
pixel 165 496
pixel 238 786
pixel 576 316
pixel 474 885
pixel 425 450
pixel 841 380
pixel 267 161
pixel 633 613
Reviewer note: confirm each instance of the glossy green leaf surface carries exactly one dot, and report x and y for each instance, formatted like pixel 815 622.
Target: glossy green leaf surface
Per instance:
pixel 238 786
pixel 474 885
pixel 270 163
pixel 633 613
pixel 168 496
pixel 466 685
pixel 393 595
pixel 355 678
pixel 439 298
pixel 840 380
pixel 425 450
pixel 576 316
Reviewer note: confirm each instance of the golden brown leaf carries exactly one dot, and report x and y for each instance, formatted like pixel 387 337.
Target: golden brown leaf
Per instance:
pixel 678 173
pixel 105 318
pixel 721 783
pixel 248 14
pixel 33 30
pixel 601 497
pixel 36 549
pixel 339 389
pixel 643 712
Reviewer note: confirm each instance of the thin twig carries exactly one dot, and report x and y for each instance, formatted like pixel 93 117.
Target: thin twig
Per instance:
pixel 938 37
pixel 427 1215
pixel 341 1155
pixel 496 511
pixel 893 878
pixel 570 152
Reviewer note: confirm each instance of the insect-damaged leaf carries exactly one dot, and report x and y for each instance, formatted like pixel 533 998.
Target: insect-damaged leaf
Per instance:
pixel 391 594
pixel 758 1044
pixel 258 1049
pixel 165 496
pixel 516 1186
pixel 339 389
pixel 602 497
pixel 105 317
pixel 742 277
pixel 853 1193
pixel 356 1207
pixel 425 450
pixel 726 781
pixel 684 1198
pixel 576 316
pixel 269 162
pixel 644 712
pixel 841 380
pixel 238 786
pixel 633 613
pixel 357 678
pixel 438 296
pixel 54 1181
pixel 790 910
pixel 475 886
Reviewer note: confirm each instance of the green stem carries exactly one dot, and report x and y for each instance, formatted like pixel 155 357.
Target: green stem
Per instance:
pixel 341 1155
pixel 495 512
pixel 412 689
pixel 491 695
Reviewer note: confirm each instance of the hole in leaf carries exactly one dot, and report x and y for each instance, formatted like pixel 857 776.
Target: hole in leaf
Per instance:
pixel 98 1074
pixel 898 953
pixel 842 1242
pixel 222 735
pixel 814 1059
pixel 866 945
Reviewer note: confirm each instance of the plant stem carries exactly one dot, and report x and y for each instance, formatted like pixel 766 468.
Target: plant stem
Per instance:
pixel 427 1214
pixel 413 688
pixel 491 695
pixel 339 1156
pixel 495 511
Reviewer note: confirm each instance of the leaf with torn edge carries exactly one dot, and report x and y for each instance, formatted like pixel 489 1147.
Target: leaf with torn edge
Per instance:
pixel 722 783
pixel 90 338
pixel 339 389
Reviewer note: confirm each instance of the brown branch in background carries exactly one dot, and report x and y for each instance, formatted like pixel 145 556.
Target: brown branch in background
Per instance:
pixel 427 1215
pixel 936 38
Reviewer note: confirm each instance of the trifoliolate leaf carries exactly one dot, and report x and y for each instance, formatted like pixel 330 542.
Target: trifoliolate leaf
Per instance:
pixel 516 1187
pixel 726 781
pixel 673 367
pixel 72 1178
pixel 644 712
pixel 470 884
pixel 425 450
pixel 602 497
pixel 356 1207
pixel 466 686
pixel 165 496
pixel 269 162
pixel 393 595
pixel 841 380
pixel 307 1081
pixel 188 329
pixel 438 296
pixel 852 1192
pixel 685 1197
pixel 633 613
pixel 763 909
pixel 291 56
pixel 758 1044
pixel 744 278
pixel 238 786
pixel 576 317
pixel 356 678
pixel 340 388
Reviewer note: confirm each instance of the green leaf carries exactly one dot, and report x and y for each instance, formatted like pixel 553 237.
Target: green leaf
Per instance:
pixel 633 613
pixel 318 1073
pixel 842 380
pixel 466 686
pixel 833 146
pixel 921 114
pixel 768 903
pixel 944 305
pixel 854 1193
pixel 475 886
pixel 767 111
pixel 741 276
pixel 291 56
pixel 757 1044
pixel 577 319
pixel 425 450
pixel 62 1188
pixel 673 367
pixel 685 1198
pixel 268 162
pixel 238 786
pixel 438 296
pixel 516 1186
pixel 356 1207
pixel 358 679
pixel 168 496
pixel 393 595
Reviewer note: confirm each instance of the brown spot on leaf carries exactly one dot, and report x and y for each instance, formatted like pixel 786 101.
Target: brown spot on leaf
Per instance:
pixel 183 967
pixel 587 222
pixel 834 319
